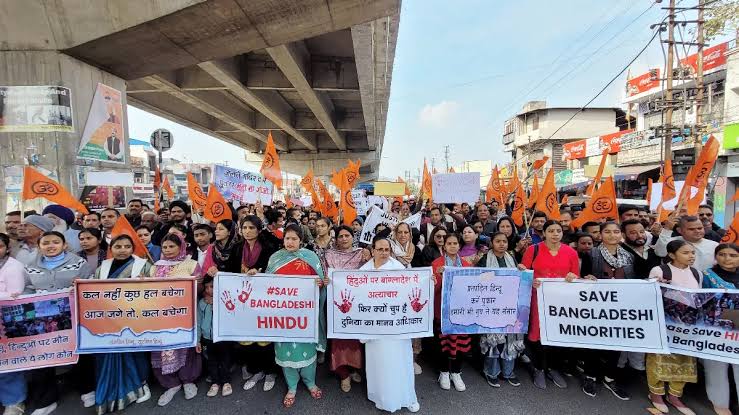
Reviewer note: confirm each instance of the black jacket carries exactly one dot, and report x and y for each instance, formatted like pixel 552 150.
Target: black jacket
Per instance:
pixel 270 244
pixel 643 266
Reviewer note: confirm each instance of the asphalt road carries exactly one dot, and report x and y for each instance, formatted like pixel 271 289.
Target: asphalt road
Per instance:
pixel 479 398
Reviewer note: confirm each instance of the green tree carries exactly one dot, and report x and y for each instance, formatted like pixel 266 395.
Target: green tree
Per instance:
pixel 721 17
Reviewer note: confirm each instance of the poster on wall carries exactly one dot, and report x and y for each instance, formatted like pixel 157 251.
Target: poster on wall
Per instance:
pixel 99 197
pixel 35 109
pixel 103 138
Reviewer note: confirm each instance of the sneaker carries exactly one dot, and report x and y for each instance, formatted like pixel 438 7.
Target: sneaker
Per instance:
pixel 414 407
pixel 252 382
pixel 458 382
pixel 213 391
pixel 16 409
pixel 146 396
pixel 540 381
pixel 492 381
pixel 617 391
pixel 88 399
pixel 444 381
pixel 588 386
pixel 557 378
pixel 513 381
pixel 269 382
pixel 190 390
pixel 245 375
pixel 168 395
pixel 45 410
pixel 417 370
pixel 356 377
pixel 227 389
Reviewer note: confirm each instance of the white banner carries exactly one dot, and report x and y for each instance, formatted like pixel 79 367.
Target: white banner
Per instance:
pixel 624 315
pixel 361 202
pixel 414 220
pixel 456 187
pixel 380 304
pixel 376 217
pixel 265 308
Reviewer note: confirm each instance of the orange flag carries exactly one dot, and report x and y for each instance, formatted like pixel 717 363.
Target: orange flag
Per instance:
pixel 598 175
pixel 336 178
pixel 308 183
pixel 736 196
pixel 352 173
pixel 196 194
pixel 731 233
pixel 123 227
pixel 489 189
pixel 329 206
pixel 520 204
pixel 540 163
pixel 451 170
pixel 601 205
pixel 547 201
pixel 156 204
pixel 157 178
pixel 271 163
pixel 37 185
pixel 288 202
pixel 649 190
pixel 167 188
pixel 348 209
pixel 216 208
pixel 698 175
pixel 668 189
pixel 426 183
pixel 515 183
pixel 498 188
pixel 534 195
pixel 407 190
pixel 565 199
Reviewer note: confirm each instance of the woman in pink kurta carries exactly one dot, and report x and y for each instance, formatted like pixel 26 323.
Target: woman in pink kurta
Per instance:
pixel 548 259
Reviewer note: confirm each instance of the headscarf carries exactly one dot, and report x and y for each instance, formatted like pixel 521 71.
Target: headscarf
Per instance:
pixel 492 260
pixel 165 266
pixel 621 259
pixel 404 254
pixel 221 254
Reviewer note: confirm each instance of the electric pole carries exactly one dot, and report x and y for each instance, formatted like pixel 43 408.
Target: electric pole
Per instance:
pixel 699 83
pixel 446 157
pixel 667 127
pixel 433 164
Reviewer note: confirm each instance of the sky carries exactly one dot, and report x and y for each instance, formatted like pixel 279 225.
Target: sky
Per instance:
pixel 460 72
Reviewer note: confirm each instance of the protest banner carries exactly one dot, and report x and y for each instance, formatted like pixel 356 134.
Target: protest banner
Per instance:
pixel 135 315
pixel 37 331
pixel 360 201
pixel 624 315
pixel 242 186
pixel 414 220
pixel 37 109
pixel 265 308
pixel 381 304
pixel 456 187
pixel 374 218
pixel 702 323
pixel 380 202
pixel 485 300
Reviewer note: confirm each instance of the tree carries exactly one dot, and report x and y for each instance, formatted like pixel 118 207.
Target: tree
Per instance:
pixel 722 17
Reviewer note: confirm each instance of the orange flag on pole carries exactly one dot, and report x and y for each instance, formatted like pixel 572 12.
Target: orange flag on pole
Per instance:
pixel 534 195
pixel 329 206
pixel 547 201
pixel 736 196
pixel 157 178
pixel 271 163
pixel 348 209
pixel 540 163
pixel 519 205
pixel 601 205
pixel 216 208
pixel 37 185
pixel 498 188
pixel 598 175
pixel 426 183
pixel 489 189
pixel 123 227
pixel 731 234
pixel 698 175
pixel 336 178
pixel 196 194
pixel 167 188
pixel 308 183
pixel 649 190
pixel 352 173
pixel 668 190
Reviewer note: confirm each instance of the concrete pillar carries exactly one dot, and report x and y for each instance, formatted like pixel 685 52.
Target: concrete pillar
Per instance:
pixel 57 150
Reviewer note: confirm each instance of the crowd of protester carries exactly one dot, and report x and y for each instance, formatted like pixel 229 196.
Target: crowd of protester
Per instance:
pixel 48 251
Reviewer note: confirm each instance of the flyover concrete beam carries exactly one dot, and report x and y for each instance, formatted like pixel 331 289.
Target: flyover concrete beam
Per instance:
pixel 271 105
pixel 291 61
pixel 327 74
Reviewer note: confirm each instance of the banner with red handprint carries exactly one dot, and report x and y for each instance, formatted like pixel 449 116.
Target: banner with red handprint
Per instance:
pixel 265 308
pixel 383 304
pixel 135 315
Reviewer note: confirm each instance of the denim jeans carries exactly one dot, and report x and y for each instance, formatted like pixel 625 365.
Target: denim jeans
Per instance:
pixel 493 367
pixel 12 388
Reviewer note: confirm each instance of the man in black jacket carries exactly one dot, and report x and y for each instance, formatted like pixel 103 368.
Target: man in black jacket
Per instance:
pixel 635 242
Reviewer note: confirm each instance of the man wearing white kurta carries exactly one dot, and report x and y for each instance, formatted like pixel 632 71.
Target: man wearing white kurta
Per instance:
pixel 390 379
pixel 692 231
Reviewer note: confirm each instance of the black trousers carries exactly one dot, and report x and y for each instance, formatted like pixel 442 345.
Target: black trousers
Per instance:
pixel 261 358
pixel 42 388
pixel 218 360
pixel 600 364
pixel 84 374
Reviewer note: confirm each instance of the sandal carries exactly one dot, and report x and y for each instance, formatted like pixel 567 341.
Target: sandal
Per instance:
pixel 346 384
pixel 289 400
pixel 316 393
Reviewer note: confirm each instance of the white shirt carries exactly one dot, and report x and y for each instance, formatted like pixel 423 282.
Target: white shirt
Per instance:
pixel 704 249
pixel 201 256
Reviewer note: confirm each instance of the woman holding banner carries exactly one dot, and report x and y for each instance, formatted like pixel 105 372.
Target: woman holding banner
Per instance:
pixel 250 256
pixel 13 384
pixel 449 346
pixel 390 376
pixel 548 259
pixel 121 377
pixel 298 360
pixel 346 355
pixel 176 369
pixel 670 372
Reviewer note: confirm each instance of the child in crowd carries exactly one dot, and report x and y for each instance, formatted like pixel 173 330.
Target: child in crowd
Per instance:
pixel 217 355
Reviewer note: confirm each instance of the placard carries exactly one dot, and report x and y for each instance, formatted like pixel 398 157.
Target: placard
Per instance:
pixel 485 300
pixel 389 189
pixel 361 203
pixel 380 304
pixel 135 314
pixel 414 220
pixel 456 187
pixel 242 186
pixel 265 308
pixel 702 323
pixel 625 315
pixel 37 331
pixel 656 196
pixel 35 109
pixel 376 217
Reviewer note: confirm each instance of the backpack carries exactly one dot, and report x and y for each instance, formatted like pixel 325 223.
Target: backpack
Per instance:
pixel 667 273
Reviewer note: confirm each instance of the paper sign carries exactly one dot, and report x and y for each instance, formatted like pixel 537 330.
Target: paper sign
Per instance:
pixel 265 308
pixel 37 331
pixel 656 196
pixel 126 315
pixel 379 201
pixel 389 189
pixel 361 203
pixel 380 304
pixel 109 178
pixel 242 186
pixel 456 187
pixel 414 220
pixel 624 315
pixel 485 300
pixel 376 217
